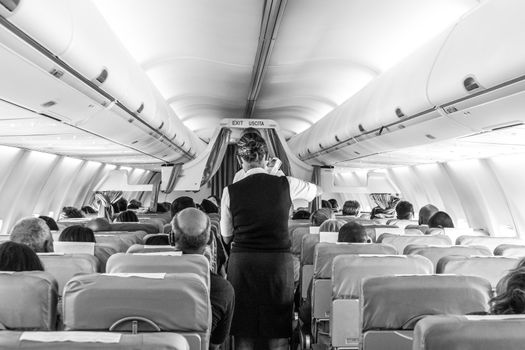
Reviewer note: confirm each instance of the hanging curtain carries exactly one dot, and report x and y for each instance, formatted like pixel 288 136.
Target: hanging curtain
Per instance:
pixel 175 172
pixel 227 169
pixel 279 151
pixel 155 181
pixel 105 199
pixel 216 155
pixel 384 200
pixel 316 177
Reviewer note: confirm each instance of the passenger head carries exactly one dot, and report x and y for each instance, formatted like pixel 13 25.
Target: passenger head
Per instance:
pixel 191 230
pixel 215 200
pixel 321 215
pixel 98 224
pixel 511 300
pixel 127 216
pixel 404 210
pixel 351 208
pixel 425 213
pixel 440 220
pixel 326 204
pixel 252 150
pixel 77 233
pixel 181 203
pixel 72 213
pixel 122 204
pixel 301 214
pixel 87 210
pixel 352 232
pixel 50 222
pixel 161 208
pixel 134 204
pixel 332 225
pixel 34 233
pixel 208 207
pixel 334 204
pixel 18 257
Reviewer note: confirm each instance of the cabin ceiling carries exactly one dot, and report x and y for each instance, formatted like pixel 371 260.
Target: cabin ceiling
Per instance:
pixel 201 54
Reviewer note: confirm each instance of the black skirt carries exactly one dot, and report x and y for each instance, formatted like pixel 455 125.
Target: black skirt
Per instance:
pixel 263 284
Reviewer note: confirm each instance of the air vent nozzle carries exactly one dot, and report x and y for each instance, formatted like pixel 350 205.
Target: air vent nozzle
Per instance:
pixel 103 76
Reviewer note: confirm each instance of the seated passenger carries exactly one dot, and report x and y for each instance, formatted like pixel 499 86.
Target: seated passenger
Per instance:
pixel 88 211
pixel 215 200
pixel 122 205
pixel 425 213
pixel 211 209
pixel 50 222
pixel 440 220
pixel 34 233
pixel 191 229
pixel 334 204
pixel 18 257
pixel 70 213
pixel 351 208
pixel 321 215
pixel 77 233
pixel 301 214
pixel 99 224
pixel 177 205
pixel 511 299
pixel 127 216
pixel 326 204
pixel 162 208
pixel 332 225
pixel 134 204
pixel 404 215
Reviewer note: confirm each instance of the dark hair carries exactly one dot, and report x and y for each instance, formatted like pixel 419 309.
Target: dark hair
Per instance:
pixel 208 207
pixel 72 212
pixel 404 210
pixel 352 232
pixel 187 242
pixel 440 220
pixel 425 213
pixel 161 208
pixel 127 216
pixel 333 203
pixel 320 215
pixel 326 204
pixel 351 207
pixel 122 204
pixel 50 222
pixel 181 203
pixel 252 148
pixel 511 300
pixel 18 257
pixel 77 233
pixel 88 210
pixel 301 215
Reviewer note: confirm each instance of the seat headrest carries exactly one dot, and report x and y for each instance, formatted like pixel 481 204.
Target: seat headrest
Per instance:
pixel 141 248
pixel 308 247
pixel 29 300
pixel 492 268
pixel 375 231
pixel 297 238
pixel 187 263
pixel 120 240
pixel 156 239
pixel 434 253
pixel 349 270
pixel 401 241
pixel 326 252
pixel 510 250
pixel 489 242
pixel 456 332
pixel 134 226
pixel 174 302
pixel 397 302
pixel 63 267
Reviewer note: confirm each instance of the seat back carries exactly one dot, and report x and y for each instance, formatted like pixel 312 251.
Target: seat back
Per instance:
pixel 141 248
pixel 492 268
pixel 398 302
pixel 120 240
pixel 134 226
pixel 64 266
pixel 102 253
pixel 434 253
pixel 12 340
pixel 178 302
pixel 297 238
pixel 412 228
pixel 133 263
pixel 308 248
pixel 401 241
pixel 456 332
pixel 374 231
pixel 326 252
pixel 490 242
pixel 29 300
pixel 156 239
pixel 510 250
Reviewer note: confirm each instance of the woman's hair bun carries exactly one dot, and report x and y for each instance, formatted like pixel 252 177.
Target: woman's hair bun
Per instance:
pixel 252 147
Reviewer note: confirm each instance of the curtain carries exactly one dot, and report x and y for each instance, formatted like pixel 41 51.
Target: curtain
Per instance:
pixel 384 200
pixel 155 181
pixel 175 172
pixel 278 150
pixel 216 155
pixel 104 200
pixel 227 169
pixel 316 174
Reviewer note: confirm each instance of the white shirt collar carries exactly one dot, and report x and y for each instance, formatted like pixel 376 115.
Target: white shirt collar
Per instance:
pixel 255 171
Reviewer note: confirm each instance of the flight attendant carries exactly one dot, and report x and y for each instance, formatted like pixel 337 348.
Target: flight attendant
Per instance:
pixel 254 214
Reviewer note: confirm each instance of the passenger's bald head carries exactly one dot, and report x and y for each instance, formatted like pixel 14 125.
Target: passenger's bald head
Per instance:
pixel 191 228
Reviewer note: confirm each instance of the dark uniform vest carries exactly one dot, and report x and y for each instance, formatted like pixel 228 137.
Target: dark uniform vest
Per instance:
pixel 260 205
